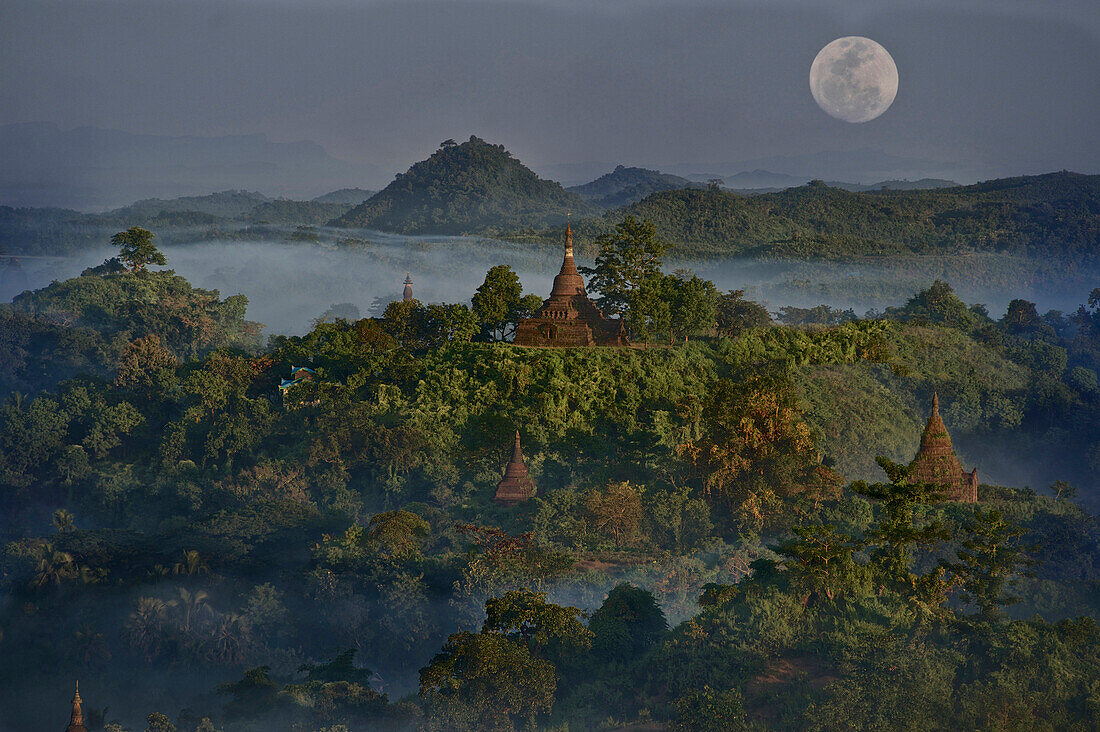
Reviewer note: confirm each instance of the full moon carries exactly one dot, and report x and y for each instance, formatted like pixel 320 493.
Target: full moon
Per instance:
pixel 854 79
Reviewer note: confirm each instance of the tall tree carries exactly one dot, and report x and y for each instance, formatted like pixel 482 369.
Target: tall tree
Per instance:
pixel 1021 317
pixel 628 623
pixel 136 248
pixel 694 304
pixel 821 559
pixel 615 513
pixel 649 309
pixel 735 314
pixel 901 531
pixel 627 257
pixel 484 681
pixel 991 560
pixel 497 300
pixel 755 450
pixel 548 631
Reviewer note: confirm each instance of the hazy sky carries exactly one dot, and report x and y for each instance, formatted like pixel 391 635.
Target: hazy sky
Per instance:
pixel 1004 87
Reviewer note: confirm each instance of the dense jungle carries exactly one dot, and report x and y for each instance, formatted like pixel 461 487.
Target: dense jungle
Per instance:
pixel 210 530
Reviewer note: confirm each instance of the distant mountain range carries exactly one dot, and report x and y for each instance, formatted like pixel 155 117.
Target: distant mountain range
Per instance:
pixel 1054 216
pixel 473 187
pixel 92 169
pixel 479 188
pixel 95 169
pixel 862 167
pixel 763 181
pixel 214 216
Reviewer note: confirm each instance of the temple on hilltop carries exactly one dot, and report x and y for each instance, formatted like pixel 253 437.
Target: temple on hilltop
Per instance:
pixel 516 486
pixel 936 462
pixel 568 317
pixel 407 293
pixel 76 721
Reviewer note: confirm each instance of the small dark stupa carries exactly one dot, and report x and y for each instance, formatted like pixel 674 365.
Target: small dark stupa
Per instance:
pixel 516 486
pixel 937 463
pixel 76 721
pixel 569 317
pixel 407 294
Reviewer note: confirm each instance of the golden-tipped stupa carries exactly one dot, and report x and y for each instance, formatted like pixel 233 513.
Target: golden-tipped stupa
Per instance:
pixel 76 721
pixel 569 317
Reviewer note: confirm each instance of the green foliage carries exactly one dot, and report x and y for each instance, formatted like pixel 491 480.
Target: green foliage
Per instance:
pixel 755 450
pixel 820 315
pixel 707 710
pixel 990 561
pixel 158 722
pixel 626 258
pixel 484 681
pixel 671 469
pixel 497 299
pixel 397 536
pixel 548 631
pixel 627 624
pixel 136 248
pixel 901 531
pixel 734 314
pixel 938 305
pixel 821 561
pixel 678 521
pixel 104 314
pixel 252 696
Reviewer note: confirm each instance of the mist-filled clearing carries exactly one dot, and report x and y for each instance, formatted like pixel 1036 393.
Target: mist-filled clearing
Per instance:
pixel 288 285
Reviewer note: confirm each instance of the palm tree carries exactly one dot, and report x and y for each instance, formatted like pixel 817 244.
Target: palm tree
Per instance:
pixel 64 521
pixel 89 645
pixel 229 639
pixel 53 567
pixel 191 564
pixel 190 604
pixel 145 628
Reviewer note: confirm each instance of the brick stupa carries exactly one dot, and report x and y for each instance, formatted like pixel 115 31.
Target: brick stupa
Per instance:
pixel 516 486
pixel 568 317
pixel 937 463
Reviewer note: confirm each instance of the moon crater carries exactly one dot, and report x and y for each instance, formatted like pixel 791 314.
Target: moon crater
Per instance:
pixel 854 79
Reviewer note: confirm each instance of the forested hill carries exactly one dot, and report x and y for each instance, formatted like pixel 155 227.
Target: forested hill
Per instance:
pixel 624 186
pixel 1054 215
pixel 474 187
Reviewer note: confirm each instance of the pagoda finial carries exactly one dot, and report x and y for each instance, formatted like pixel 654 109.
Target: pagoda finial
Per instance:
pixel 407 294
pixel 568 235
pixel 935 403
pixel 76 721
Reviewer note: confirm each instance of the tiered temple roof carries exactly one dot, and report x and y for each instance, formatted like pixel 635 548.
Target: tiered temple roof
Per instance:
pixel 76 721
pixel 516 486
pixel 569 317
pixel 937 463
